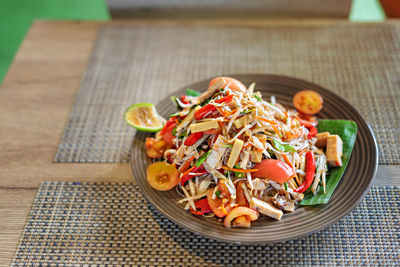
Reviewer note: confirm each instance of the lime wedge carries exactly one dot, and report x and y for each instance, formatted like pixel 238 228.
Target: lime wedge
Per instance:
pixel 144 117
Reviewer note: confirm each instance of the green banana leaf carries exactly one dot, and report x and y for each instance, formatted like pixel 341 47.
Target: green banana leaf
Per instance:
pixel 347 130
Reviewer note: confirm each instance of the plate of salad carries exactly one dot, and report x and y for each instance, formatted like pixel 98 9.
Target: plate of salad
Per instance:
pixel 252 159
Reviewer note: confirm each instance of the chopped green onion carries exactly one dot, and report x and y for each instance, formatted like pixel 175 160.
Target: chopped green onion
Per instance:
pixel 218 193
pixel 282 147
pixel 182 135
pixel 257 97
pixel 202 158
pixel 285 184
pixel 227 145
pixel 206 102
pixel 174 131
pixel 191 92
pixel 174 115
pixel 238 174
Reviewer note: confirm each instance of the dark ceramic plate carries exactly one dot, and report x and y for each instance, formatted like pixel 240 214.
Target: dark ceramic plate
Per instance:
pixel 353 186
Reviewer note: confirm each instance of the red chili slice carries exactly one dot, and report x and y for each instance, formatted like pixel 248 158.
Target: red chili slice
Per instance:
pixel 193 138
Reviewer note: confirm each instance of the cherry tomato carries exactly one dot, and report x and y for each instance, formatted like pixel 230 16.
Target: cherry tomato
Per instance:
pixel 274 170
pixel 162 176
pixel 308 102
pixel 219 209
pixel 233 84
pixel 241 199
pixel 251 214
pixel 155 148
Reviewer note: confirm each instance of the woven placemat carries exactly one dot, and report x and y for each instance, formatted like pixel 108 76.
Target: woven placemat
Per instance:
pixel 112 223
pixel 144 63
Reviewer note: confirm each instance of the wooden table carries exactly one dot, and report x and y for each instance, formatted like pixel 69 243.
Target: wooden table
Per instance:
pixel 35 100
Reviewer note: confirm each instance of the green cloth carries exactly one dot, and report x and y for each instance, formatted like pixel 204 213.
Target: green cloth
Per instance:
pixel 366 11
pixel 16 16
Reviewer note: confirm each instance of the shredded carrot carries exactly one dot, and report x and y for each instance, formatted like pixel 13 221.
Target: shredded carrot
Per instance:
pixel 247 145
pixel 186 165
pixel 291 165
pixel 287 160
pixel 239 170
pixel 176 121
pixel 295 133
pixel 220 110
pixel 230 112
pixel 189 170
pixel 266 120
pixel 276 130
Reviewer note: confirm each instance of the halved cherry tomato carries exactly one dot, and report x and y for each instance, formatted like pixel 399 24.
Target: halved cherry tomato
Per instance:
pixel 233 84
pixel 216 205
pixel 162 176
pixel 251 214
pixel 193 138
pixel 155 148
pixel 274 170
pixel 223 189
pixel 241 199
pixel 308 102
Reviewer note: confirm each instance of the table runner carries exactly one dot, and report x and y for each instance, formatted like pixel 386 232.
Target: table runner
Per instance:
pixel 146 62
pixel 112 223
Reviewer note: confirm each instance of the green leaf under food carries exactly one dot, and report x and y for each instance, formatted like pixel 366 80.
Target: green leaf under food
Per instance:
pixel 347 130
pixel 191 92
pixel 202 158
